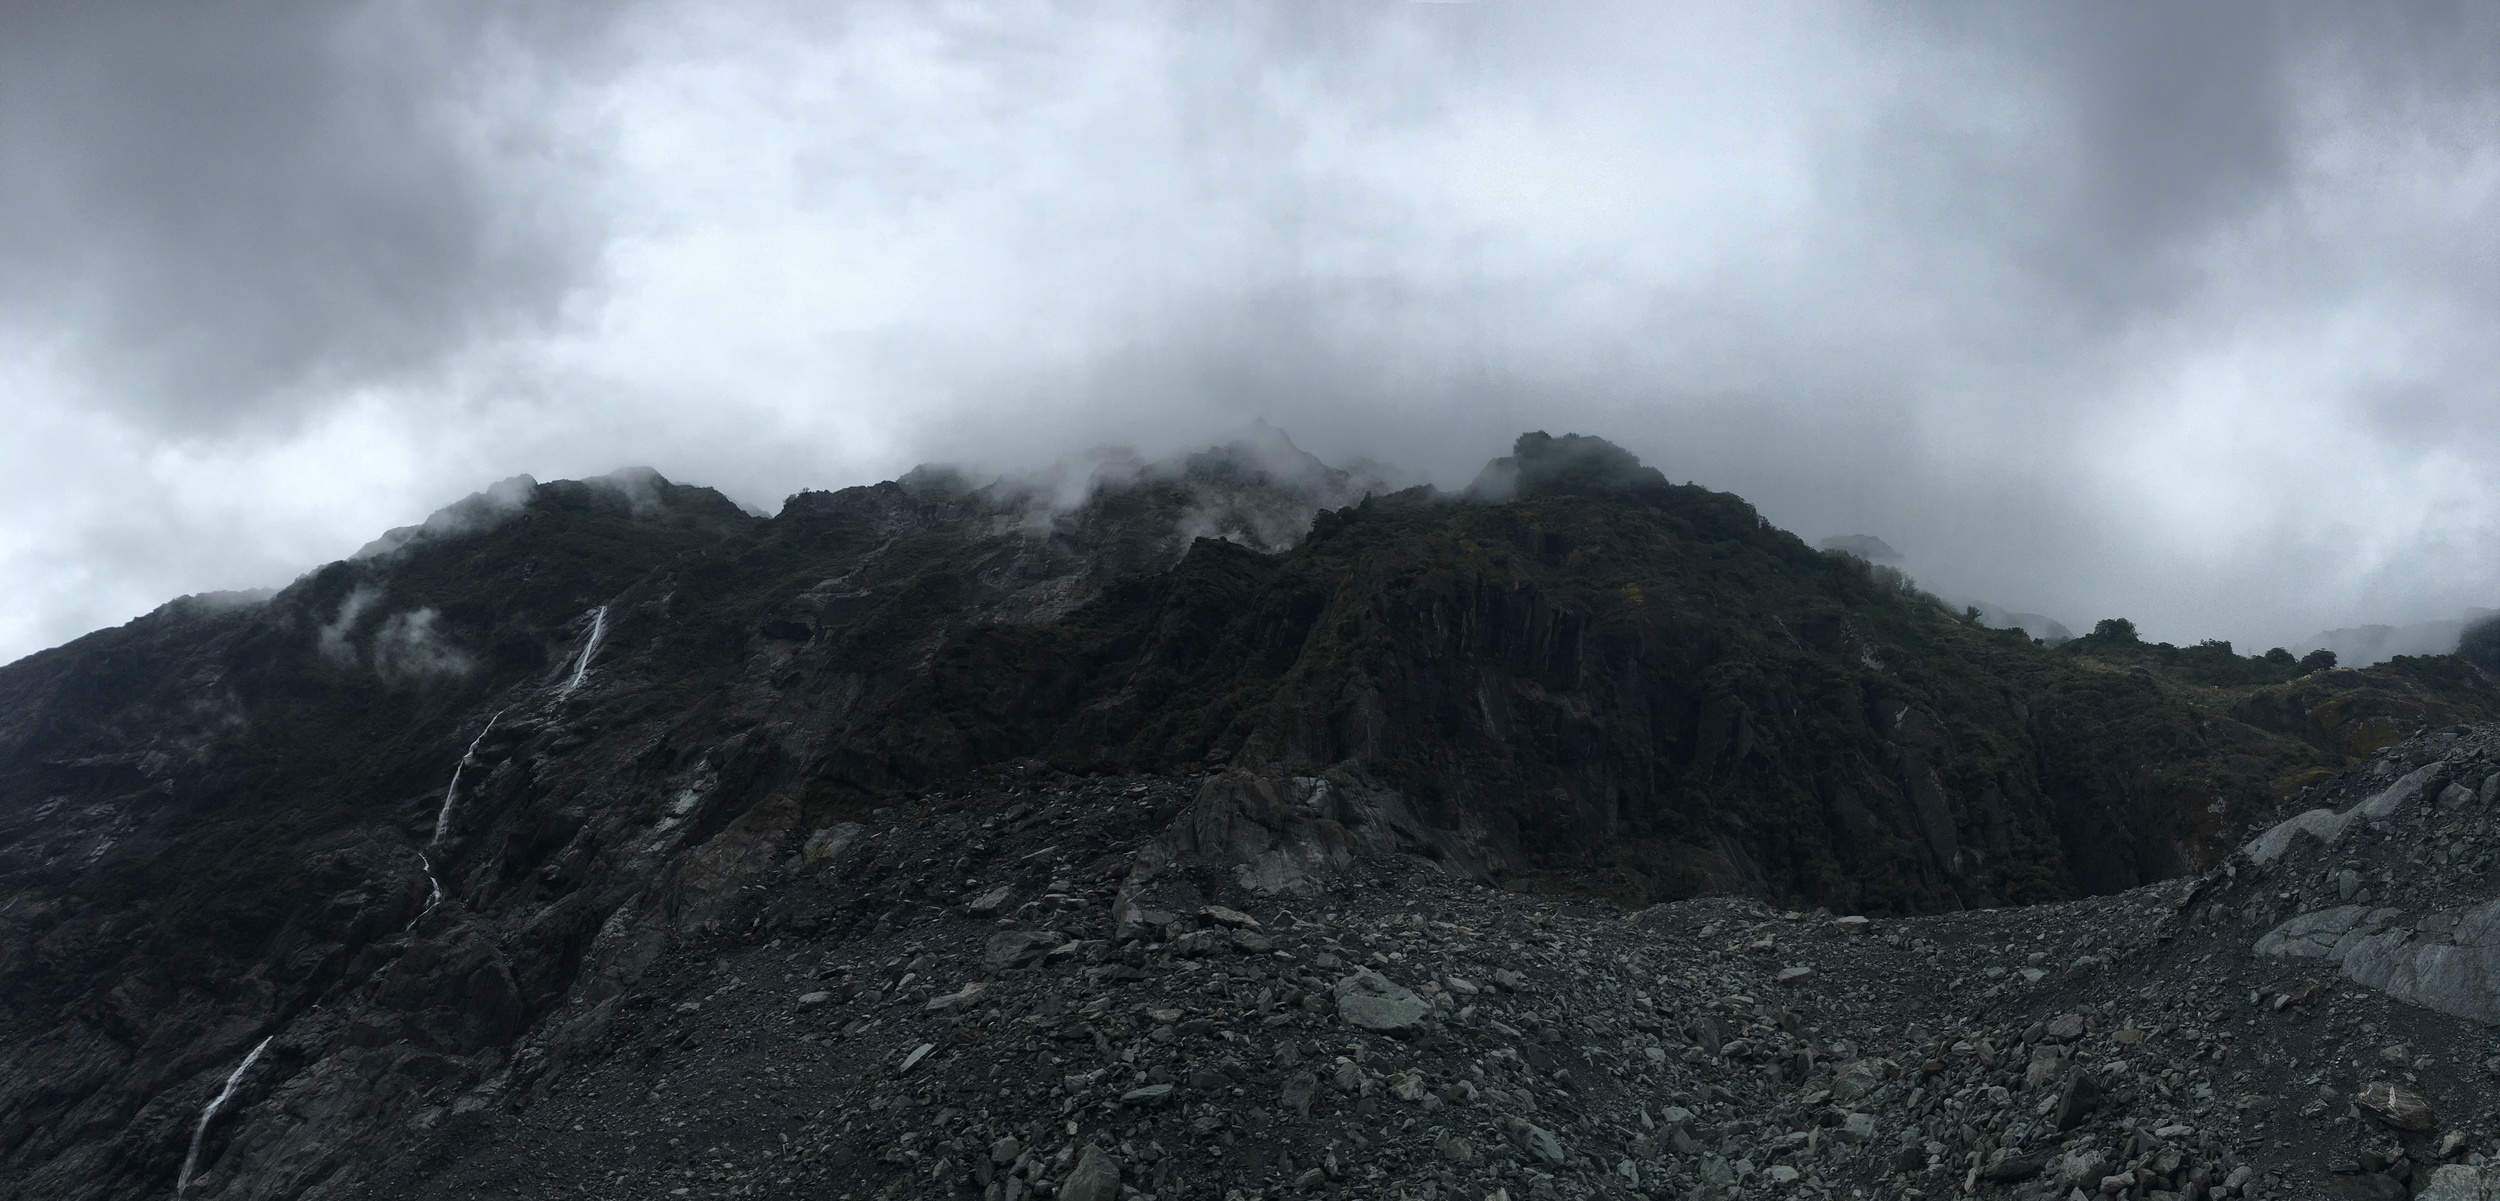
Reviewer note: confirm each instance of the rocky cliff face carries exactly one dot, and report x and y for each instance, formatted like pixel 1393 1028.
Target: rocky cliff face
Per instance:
pixel 420 835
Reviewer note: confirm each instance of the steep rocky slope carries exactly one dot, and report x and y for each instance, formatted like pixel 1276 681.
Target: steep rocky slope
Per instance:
pixel 1378 1028
pixel 438 837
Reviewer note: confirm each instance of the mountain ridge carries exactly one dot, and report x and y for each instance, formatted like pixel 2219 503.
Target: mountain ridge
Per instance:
pixel 421 802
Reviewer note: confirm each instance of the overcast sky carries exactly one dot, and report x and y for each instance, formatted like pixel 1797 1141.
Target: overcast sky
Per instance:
pixel 2187 313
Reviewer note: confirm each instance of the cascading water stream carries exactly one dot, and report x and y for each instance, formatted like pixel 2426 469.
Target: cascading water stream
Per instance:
pixel 451 795
pixel 199 1134
pixel 598 631
pixel 434 893
pixel 442 820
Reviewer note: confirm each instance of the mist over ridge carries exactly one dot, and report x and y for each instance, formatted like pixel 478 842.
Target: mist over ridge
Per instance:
pixel 2176 313
pixel 1258 487
pixel 583 796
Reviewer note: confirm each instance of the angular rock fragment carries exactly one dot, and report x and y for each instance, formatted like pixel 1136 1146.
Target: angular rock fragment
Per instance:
pixel 1096 1177
pixel 2395 1106
pixel 1299 1089
pixel 1535 1139
pixel 2018 1167
pixel 1857 1128
pixel 2454 1182
pixel 989 903
pixel 2079 1098
pixel 1009 949
pixel 913 1060
pixel 1230 918
pixel 1371 1001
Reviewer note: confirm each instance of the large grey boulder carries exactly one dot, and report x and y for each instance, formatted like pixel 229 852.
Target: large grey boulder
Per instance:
pixel 2328 826
pixel 2454 1182
pixel 2327 933
pixel 1296 834
pixel 2456 972
pixel 1275 842
pixel 1371 1001
pixel 1096 1178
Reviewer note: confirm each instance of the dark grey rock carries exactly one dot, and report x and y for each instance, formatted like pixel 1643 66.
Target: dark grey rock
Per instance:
pixel 2076 1101
pixel 1096 1177
pixel 1371 1001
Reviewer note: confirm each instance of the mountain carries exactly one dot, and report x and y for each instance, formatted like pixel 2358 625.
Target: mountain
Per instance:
pixel 365 869
pixel 2360 646
pixel 1880 553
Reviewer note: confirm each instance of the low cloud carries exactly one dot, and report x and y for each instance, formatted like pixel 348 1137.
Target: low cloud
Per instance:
pixel 473 514
pixel 2182 313
pixel 1255 487
pixel 638 486
pixel 412 647
pixel 405 647
pixel 336 638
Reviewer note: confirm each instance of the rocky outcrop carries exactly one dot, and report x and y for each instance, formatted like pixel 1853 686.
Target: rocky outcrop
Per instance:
pixel 2441 957
pixel 2327 826
pixel 1268 832
pixel 2451 963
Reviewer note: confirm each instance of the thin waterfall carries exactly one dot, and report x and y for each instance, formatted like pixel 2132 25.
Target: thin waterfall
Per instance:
pixel 434 894
pixel 199 1134
pixel 451 795
pixel 598 631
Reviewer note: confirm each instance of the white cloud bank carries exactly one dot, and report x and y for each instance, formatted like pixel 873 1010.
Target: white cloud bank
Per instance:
pixel 2187 315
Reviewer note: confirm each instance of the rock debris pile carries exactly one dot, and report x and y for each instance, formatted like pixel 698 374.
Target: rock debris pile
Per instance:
pixel 1096 1026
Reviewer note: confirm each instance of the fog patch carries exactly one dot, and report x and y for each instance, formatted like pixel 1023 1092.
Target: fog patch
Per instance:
pixel 1880 556
pixel 1864 546
pixel 639 486
pixel 408 646
pixel 411 646
pixel 336 637
pixel 211 603
pixel 1257 489
pixel 2361 646
pixel 475 513
pixel 1261 491
pixel 1542 464
pixel 1997 617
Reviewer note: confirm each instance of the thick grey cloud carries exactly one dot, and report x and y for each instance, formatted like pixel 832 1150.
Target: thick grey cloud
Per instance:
pixel 2181 312
pixel 227 210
